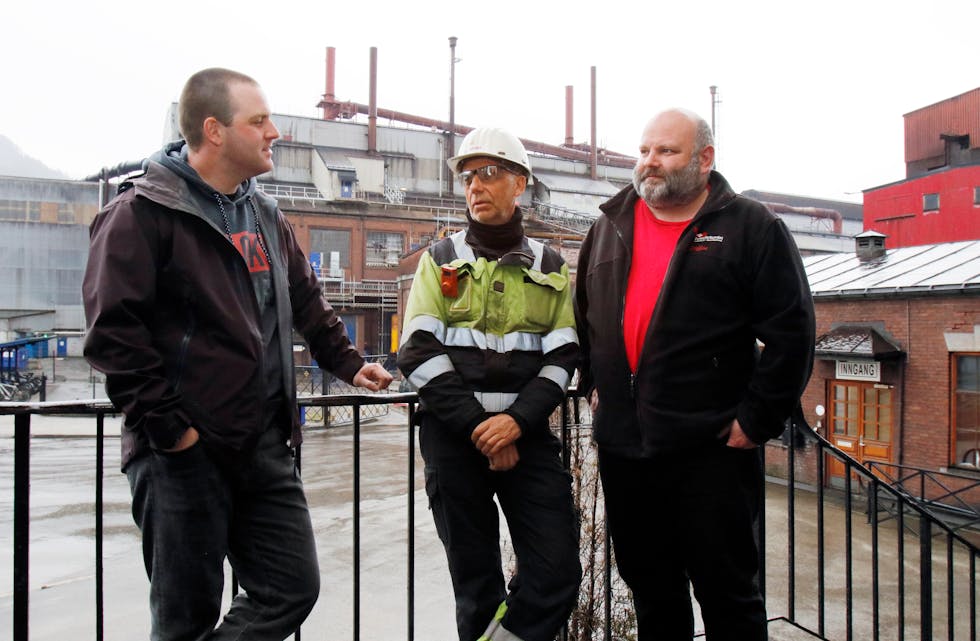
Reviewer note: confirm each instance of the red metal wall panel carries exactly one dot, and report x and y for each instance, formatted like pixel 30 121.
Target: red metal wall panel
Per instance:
pixel 897 209
pixel 958 115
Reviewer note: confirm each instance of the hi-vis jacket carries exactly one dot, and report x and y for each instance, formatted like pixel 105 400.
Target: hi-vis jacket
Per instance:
pixel 490 336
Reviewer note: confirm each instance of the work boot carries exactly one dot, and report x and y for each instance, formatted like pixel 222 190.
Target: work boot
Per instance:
pixel 495 623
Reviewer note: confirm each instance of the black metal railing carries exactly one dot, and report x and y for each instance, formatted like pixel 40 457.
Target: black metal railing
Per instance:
pixel 951 498
pixel 313 381
pixel 858 588
pixel 99 409
pixel 826 572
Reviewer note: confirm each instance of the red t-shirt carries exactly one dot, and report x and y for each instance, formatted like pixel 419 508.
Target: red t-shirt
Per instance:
pixel 653 244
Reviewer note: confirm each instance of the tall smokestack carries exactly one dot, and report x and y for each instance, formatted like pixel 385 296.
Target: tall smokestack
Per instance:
pixel 329 102
pixel 373 104
pixel 569 138
pixel 331 63
pixel 595 148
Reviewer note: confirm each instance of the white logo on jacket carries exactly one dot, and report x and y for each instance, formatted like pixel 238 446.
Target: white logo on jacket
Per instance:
pixel 705 238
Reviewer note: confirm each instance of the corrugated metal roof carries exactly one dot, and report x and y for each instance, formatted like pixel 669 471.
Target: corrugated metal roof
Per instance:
pixel 575 184
pixel 906 270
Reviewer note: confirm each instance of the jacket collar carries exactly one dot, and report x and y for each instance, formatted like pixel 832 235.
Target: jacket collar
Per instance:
pixel 166 188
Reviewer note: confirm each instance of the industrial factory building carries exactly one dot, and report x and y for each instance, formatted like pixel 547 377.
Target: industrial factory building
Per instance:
pixel 363 186
pixel 939 198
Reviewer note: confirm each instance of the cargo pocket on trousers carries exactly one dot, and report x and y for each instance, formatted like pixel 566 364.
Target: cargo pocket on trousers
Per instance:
pixel 435 501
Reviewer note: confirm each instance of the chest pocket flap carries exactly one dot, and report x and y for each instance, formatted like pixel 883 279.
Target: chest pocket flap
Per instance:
pixel 542 297
pixel 467 306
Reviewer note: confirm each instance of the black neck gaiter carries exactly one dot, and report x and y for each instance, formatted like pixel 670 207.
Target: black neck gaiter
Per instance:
pixel 493 241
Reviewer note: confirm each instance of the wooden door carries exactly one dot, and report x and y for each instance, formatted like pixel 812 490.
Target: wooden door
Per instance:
pixel 861 423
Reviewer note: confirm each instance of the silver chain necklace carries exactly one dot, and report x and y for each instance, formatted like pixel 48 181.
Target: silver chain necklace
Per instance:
pixel 255 216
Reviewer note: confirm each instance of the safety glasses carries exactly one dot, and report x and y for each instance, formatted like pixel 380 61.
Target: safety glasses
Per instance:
pixel 487 174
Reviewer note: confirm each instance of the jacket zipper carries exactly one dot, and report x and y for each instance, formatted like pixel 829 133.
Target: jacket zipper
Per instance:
pixel 184 346
pixel 257 311
pixel 622 314
pixel 622 311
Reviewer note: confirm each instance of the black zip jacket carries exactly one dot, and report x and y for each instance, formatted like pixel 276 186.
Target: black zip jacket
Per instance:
pixel 174 324
pixel 735 276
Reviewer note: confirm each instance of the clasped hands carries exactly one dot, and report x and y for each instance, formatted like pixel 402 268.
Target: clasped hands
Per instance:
pixel 495 438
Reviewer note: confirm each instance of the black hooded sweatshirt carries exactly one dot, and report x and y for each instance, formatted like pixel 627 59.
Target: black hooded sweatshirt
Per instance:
pixel 178 323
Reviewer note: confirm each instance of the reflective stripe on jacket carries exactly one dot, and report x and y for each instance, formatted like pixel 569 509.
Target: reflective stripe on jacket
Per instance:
pixel 505 342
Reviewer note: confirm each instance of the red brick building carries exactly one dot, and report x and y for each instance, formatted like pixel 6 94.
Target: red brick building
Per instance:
pixel 898 355
pixel 939 199
pixel 357 250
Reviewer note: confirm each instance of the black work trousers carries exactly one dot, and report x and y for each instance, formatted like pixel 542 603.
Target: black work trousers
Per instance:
pixel 688 518
pixel 194 510
pixel 536 499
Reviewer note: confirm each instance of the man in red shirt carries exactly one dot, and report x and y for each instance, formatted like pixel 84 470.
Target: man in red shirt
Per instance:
pixel 678 282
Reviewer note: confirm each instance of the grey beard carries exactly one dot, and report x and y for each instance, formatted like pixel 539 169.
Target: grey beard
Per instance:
pixel 678 188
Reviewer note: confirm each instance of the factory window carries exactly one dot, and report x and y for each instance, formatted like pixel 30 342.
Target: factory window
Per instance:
pixel 966 410
pixel 329 241
pixel 383 249
pixel 930 202
pixel 66 213
pixel 976 196
pixel 20 210
pixel 13 210
pixel 9 210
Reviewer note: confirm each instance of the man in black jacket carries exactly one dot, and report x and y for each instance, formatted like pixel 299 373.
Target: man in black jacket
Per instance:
pixel 193 286
pixel 697 326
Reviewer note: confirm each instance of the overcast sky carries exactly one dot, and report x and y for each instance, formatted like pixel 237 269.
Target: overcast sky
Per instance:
pixel 811 94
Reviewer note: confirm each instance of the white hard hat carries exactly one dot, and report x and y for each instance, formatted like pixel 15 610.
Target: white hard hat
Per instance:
pixel 494 143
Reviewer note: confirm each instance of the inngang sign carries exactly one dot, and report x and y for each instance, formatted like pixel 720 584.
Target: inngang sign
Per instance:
pixel 859 370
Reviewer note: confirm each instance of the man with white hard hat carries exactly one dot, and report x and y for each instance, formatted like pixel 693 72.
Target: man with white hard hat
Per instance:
pixel 489 342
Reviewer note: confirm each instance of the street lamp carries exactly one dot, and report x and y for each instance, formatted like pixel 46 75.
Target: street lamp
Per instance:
pixel 714 132
pixel 714 92
pixel 451 146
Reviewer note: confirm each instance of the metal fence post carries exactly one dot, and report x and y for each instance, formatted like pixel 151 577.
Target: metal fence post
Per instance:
pixel 22 521
pixel 925 578
pixel 99 508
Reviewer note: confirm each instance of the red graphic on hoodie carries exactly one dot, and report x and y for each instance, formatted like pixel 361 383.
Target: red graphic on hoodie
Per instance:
pixel 249 246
